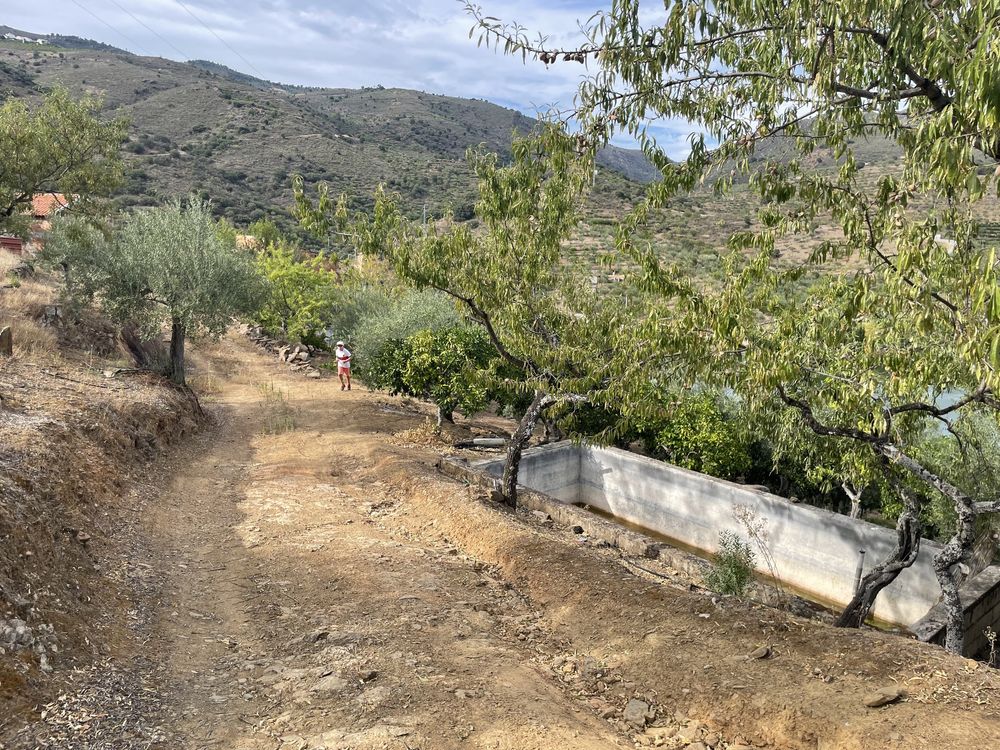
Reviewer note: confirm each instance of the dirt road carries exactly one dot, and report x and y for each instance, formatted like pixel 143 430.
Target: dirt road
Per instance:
pixel 292 617
pixel 306 579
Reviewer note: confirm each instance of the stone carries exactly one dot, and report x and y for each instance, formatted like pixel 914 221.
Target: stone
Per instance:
pixel 636 713
pixel 577 529
pixel 884 696
pixel 373 697
pixel 302 356
pixel 712 740
pixel 330 684
pixel 697 746
pixel 760 653
pixel 315 636
pixel 6 342
pixel 313 374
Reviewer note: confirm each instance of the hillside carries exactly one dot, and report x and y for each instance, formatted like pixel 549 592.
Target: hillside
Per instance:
pixel 204 127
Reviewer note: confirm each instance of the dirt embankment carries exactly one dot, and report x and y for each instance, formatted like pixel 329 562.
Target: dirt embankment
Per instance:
pixel 70 441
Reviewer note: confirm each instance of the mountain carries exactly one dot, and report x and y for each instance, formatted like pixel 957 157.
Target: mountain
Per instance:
pixel 200 126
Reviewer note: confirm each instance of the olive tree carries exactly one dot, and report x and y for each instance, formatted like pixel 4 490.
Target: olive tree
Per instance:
pixel 167 265
pixel 909 334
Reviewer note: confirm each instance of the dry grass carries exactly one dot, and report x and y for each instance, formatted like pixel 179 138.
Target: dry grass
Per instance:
pixel 205 384
pixel 32 339
pixel 426 434
pixel 8 262
pixel 279 416
pixel 23 309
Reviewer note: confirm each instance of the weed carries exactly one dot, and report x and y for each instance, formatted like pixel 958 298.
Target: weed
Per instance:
pixel 206 384
pixel 733 568
pixel 756 529
pixel 279 416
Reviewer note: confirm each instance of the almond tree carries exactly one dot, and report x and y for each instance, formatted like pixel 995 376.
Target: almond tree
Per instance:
pixel 870 356
pixel 507 275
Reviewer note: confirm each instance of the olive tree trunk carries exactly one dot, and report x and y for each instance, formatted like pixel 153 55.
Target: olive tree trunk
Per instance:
pixel 518 440
pixel 177 333
pixel 903 556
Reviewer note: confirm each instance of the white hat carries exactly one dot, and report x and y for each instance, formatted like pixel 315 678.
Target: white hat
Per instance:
pixel 340 343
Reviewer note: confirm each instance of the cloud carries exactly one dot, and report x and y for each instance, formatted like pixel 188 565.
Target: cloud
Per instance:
pixel 416 44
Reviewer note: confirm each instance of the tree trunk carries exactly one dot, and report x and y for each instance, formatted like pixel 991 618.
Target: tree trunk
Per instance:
pixel 854 495
pixel 177 351
pixel 957 550
pixel 445 415
pixel 902 557
pixel 946 562
pixel 518 440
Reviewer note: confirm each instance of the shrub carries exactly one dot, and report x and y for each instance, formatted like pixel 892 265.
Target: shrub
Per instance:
pixel 443 366
pixel 301 295
pixel 701 435
pixel 381 321
pixel 732 569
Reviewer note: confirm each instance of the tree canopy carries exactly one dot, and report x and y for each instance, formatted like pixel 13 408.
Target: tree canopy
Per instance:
pixel 904 336
pixel 56 145
pixel 171 264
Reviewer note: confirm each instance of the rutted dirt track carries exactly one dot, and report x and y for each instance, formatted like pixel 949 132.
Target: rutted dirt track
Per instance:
pixel 326 587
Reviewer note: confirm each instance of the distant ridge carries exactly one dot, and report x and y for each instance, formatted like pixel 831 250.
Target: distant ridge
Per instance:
pixel 204 127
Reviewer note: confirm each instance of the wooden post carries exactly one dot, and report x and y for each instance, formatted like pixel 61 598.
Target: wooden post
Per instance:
pixel 6 342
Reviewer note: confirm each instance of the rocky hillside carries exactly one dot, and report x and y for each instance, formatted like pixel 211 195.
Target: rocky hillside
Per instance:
pixel 204 127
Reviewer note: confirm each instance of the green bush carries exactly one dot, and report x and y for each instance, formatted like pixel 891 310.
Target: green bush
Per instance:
pixel 701 434
pixel 381 320
pixel 443 366
pixel 732 569
pixel 302 294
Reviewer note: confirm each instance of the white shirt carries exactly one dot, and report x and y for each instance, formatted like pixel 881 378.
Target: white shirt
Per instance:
pixel 343 357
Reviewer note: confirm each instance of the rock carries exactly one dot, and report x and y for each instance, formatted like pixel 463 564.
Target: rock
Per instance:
pixel 314 374
pixel 329 684
pixel 884 696
pixel 760 653
pixel 83 537
pixel 368 675
pixel 577 529
pixel 302 356
pixel 636 713
pixel 712 740
pixel 541 515
pixel 6 342
pixel 697 746
pixel 315 636
pixel 375 696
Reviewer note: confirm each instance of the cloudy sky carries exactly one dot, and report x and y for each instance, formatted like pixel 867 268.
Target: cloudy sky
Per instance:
pixel 417 44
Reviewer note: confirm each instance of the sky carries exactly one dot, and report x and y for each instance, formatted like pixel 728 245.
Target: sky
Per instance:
pixel 415 44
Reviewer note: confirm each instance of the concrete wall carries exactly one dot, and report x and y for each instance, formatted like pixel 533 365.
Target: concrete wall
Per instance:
pixel 553 469
pixel 814 551
pixel 981 597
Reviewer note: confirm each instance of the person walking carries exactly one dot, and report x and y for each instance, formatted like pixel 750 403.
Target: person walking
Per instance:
pixel 343 355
